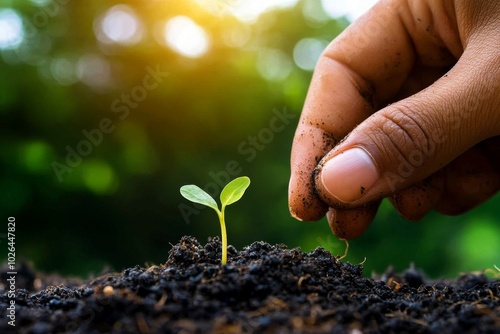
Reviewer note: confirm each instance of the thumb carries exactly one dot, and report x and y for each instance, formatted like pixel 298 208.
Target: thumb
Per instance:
pixel 410 140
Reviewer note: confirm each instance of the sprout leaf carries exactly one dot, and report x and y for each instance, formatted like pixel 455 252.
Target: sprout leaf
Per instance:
pixel 197 195
pixel 234 190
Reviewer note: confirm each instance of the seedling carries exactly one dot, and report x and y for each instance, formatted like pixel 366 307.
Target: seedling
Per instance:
pixel 231 193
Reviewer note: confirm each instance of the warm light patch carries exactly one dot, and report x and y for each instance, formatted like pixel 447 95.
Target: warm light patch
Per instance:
pixel 119 25
pixel 11 28
pixel 185 37
pixel 351 9
pixel 244 10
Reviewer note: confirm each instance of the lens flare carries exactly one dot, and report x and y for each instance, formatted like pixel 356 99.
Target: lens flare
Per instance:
pixel 119 25
pixel 11 27
pixel 185 37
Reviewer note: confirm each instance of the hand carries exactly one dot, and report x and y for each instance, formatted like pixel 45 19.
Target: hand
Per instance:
pixel 404 104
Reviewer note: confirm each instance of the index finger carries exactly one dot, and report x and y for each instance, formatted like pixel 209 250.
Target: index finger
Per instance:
pixel 333 107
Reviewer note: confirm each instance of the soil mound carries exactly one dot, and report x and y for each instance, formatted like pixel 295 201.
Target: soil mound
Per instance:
pixel 262 289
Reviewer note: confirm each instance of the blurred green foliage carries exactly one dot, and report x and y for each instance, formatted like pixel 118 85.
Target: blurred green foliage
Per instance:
pixel 208 117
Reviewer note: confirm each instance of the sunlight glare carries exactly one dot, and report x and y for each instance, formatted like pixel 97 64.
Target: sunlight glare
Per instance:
pixel 351 9
pixel 244 10
pixel 185 37
pixel 11 27
pixel 120 25
pixel 217 7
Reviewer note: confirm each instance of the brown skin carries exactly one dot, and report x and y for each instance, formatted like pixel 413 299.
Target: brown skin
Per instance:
pixel 408 77
pixel 359 220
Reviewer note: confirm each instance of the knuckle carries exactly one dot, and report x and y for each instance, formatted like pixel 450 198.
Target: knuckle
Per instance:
pixel 412 137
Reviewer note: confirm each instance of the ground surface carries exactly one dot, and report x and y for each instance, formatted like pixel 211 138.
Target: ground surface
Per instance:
pixel 262 289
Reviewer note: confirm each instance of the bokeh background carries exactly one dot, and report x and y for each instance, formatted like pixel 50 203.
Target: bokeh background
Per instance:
pixel 108 107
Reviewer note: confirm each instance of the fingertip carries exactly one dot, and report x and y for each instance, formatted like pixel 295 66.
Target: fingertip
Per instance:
pixel 351 224
pixel 308 210
pixel 416 201
pixel 294 214
pixel 452 208
pixel 304 204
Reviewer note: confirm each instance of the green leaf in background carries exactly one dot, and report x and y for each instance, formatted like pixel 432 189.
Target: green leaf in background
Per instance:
pixel 234 190
pixel 197 195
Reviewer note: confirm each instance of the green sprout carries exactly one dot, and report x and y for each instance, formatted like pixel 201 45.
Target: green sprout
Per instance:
pixel 231 193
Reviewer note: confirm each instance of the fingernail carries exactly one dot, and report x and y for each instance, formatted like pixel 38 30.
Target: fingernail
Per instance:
pixel 349 175
pixel 293 214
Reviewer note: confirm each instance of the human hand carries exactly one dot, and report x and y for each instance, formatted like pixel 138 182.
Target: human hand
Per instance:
pixel 404 104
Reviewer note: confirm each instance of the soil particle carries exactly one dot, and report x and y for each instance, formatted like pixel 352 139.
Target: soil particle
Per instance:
pixel 262 289
pixel 329 142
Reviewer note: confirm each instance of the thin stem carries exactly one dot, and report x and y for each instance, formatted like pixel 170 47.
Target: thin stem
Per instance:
pixel 224 235
pixel 346 248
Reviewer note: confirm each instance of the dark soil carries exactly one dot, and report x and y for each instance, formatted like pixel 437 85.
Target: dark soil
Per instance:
pixel 262 289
